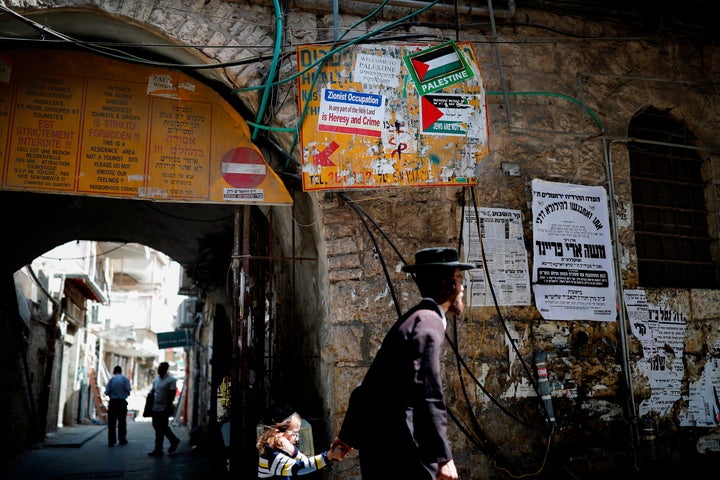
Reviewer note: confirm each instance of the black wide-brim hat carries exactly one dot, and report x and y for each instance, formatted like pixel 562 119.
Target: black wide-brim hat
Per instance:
pixel 437 258
pixel 278 413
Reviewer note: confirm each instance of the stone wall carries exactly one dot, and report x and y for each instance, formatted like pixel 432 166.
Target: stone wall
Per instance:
pixel 550 136
pixel 27 353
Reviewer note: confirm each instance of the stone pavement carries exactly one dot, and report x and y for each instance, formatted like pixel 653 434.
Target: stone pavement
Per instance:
pixel 82 452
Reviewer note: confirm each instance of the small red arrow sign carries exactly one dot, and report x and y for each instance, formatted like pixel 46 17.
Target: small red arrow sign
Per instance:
pixel 322 159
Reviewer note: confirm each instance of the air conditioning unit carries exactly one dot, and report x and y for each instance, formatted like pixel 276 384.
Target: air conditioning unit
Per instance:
pixel 188 314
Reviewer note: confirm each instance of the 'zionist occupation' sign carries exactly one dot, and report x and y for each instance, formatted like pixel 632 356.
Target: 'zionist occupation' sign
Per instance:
pixel 391 116
pixel 351 112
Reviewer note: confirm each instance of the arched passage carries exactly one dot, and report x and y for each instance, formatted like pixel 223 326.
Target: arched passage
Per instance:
pixel 221 244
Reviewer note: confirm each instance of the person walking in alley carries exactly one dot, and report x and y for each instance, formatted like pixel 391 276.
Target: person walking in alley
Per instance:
pixel 164 390
pixel 118 388
pixel 402 391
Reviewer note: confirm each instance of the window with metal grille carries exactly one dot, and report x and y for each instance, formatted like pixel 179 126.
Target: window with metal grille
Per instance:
pixel 670 213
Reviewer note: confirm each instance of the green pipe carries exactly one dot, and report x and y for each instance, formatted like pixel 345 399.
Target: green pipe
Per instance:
pixel 549 94
pixel 273 67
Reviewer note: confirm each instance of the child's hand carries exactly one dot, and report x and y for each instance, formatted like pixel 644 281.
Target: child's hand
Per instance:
pixel 287 446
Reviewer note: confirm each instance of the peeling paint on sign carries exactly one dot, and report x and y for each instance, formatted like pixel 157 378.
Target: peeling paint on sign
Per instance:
pixel 660 328
pixel 393 140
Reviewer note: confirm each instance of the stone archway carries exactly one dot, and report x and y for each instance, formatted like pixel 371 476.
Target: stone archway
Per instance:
pixel 183 231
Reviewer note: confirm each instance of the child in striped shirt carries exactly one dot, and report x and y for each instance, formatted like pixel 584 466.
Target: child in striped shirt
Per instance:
pixel 279 454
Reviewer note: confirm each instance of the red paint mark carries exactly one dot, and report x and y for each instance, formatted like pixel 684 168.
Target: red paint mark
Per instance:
pixel 322 159
pixel 401 147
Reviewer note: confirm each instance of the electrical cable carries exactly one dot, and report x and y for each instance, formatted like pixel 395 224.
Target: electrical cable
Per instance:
pixel 101 49
pixel 462 382
pixel 364 216
pixel 589 111
pixel 480 385
pixel 507 466
pixel 99 254
pixel 317 73
pixel 340 48
pixel 501 320
pixel 485 270
pixel 39 284
pixel 542 465
pixel 152 206
pixel 361 213
pixel 456 17
pixel 382 232
pixel 379 253
pixel 273 67
pixel 491 448
pixel 466 431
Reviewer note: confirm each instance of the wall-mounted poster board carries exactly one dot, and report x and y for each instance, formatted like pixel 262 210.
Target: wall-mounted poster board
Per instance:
pixel 77 123
pixel 391 115
pixel 572 274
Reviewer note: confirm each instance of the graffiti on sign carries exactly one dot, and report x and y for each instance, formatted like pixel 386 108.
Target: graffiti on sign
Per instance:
pixel 373 119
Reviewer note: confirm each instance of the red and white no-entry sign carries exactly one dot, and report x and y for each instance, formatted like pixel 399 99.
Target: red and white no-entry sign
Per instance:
pixel 243 167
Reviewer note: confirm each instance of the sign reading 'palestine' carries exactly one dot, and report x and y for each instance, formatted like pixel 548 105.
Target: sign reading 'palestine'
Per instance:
pixel 373 121
pixel 438 67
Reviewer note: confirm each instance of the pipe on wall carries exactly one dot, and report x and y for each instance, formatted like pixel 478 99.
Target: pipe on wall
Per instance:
pixel 468 9
pixel 476 10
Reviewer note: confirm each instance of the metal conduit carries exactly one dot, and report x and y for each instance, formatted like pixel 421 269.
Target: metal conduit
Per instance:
pixel 464 10
pixel 623 322
pixel 445 8
pixel 619 291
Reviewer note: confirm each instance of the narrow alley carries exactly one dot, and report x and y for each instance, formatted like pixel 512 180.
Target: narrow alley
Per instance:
pixel 81 452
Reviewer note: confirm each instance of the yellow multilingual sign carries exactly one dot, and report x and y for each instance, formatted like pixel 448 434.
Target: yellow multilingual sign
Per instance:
pixel 77 123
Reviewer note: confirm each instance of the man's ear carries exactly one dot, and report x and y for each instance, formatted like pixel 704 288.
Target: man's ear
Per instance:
pixel 449 287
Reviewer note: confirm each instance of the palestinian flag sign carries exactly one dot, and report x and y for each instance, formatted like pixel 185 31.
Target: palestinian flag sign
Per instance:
pixel 438 67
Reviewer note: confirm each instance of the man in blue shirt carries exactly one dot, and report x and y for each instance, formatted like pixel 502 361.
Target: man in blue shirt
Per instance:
pixel 118 389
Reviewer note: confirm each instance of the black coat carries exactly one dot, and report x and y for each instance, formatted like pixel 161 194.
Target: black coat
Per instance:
pixel 397 417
